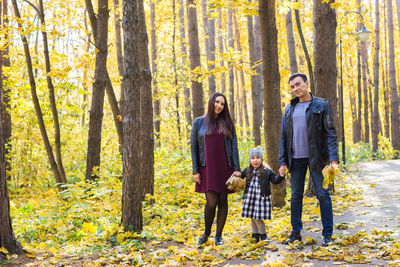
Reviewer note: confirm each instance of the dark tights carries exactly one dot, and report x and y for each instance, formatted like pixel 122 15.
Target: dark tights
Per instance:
pixel 215 199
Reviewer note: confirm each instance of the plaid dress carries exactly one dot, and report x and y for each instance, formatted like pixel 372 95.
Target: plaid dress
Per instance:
pixel 255 206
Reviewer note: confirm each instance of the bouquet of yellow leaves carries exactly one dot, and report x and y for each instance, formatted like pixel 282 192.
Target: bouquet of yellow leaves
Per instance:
pixel 330 173
pixel 235 183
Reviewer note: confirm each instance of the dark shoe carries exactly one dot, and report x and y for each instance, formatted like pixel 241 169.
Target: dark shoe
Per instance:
pixel 293 237
pixel 263 237
pixel 256 237
pixel 218 241
pixel 203 239
pixel 327 240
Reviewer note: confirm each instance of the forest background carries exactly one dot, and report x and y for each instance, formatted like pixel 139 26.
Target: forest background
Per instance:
pixel 68 161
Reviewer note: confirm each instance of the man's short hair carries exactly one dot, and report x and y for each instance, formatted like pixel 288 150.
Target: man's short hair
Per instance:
pixel 302 75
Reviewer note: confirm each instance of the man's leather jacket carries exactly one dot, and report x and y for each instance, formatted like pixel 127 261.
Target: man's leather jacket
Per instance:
pixel 321 131
pixel 197 140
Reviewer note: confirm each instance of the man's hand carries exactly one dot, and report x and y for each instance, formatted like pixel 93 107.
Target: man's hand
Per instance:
pixel 196 177
pixel 237 173
pixel 333 162
pixel 282 170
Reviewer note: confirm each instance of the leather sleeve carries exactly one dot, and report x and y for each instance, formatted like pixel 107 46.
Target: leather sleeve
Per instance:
pixel 194 146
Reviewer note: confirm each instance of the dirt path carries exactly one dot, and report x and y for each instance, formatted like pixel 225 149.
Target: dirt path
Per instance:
pixel 378 209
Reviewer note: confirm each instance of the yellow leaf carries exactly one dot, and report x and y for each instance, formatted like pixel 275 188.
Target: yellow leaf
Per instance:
pixel 30 255
pixel 119 117
pixel 3 250
pixel 372 185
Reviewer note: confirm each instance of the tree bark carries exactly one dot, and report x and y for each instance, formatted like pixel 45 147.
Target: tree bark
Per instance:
pixel 186 90
pixel 272 98
pixel 132 84
pixel 359 93
pixel 394 97
pixel 99 85
pixel 209 31
pixel 376 117
pixel 153 45
pixel 36 103
pixel 231 45
pixel 386 74
pixel 178 119
pixel 194 57
pixel 52 98
pixel 6 90
pixel 291 43
pixel 364 65
pixel 221 50
pixel 255 90
pixel 146 108
pixel 306 54
pixel 85 74
pixel 118 38
pixel 259 67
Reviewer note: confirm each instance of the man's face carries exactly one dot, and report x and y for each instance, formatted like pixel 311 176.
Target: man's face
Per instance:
pixel 299 87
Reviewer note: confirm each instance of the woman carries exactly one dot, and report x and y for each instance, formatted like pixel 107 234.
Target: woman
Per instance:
pixel 215 158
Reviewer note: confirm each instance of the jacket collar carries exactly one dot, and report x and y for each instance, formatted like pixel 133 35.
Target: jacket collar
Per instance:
pixel 296 100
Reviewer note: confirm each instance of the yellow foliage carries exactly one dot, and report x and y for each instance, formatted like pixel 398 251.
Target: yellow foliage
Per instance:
pixel 329 172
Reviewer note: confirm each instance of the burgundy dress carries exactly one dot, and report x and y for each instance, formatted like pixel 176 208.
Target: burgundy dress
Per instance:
pixel 217 171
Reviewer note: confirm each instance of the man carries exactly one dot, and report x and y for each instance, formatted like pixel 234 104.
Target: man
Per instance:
pixel 308 140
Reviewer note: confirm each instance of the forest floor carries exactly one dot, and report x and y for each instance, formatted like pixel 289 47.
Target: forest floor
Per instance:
pixel 366 232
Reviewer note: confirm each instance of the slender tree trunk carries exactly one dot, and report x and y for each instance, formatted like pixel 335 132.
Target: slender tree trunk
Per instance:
pixel 153 45
pixel 272 97
pixel 386 71
pixel 393 85
pixel 146 108
pixel 57 134
pixel 118 38
pixel 364 60
pixel 359 93
pixel 306 54
pixel 36 103
pixel 6 90
pixel 194 56
pixel 231 45
pixel 376 118
pixel 353 107
pixel 210 54
pixel 325 70
pixel 259 60
pixel 178 119
pixel 255 90
pixel 242 88
pixel 221 50
pixel 186 90
pixel 132 84
pixel 291 43
pixel 7 237
pixel 85 74
pixel 99 85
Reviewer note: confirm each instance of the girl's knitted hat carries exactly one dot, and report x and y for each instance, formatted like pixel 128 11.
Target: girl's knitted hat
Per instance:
pixel 255 152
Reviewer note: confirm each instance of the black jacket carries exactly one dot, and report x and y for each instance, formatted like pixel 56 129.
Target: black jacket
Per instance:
pixel 322 145
pixel 197 140
pixel 266 178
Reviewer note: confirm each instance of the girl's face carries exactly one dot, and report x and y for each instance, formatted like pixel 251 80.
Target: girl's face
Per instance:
pixel 219 104
pixel 255 161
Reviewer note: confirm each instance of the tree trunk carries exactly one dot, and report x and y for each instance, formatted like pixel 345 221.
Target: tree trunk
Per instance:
pixel 386 74
pixel 52 98
pixel 194 57
pixel 6 91
pixel 359 92
pixel 99 85
pixel 178 119
pixel 146 108
pixel 325 70
pixel 272 97
pixel 85 74
pixel 36 103
pixel 364 60
pixel 255 90
pixel 153 45
pixel 7 237
pixel 376 118
pixel 231 45
pixel 353 108
pixel 394 97
pixel 242 87
pixel 210 54
pixel 186 90
pixel 118 39
pixel 259 67
pixel 306 54
pixel 132 84
pixel 291 43
pixel 221 50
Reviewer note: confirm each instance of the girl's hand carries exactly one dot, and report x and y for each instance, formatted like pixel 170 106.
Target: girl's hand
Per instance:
pixel 237 173
pixel 196 177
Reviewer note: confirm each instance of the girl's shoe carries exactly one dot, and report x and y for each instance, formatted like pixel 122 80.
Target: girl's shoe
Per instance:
pixel 218 240
pixel 256 237
pixel 263 237
pixel 202 240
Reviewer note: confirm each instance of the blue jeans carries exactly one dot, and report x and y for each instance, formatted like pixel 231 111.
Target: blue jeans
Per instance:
pixel 298 171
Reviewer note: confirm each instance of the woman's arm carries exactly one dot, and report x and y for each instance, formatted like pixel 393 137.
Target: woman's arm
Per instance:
pixel 194 146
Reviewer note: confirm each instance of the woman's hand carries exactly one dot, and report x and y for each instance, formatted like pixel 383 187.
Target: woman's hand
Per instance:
pixel 196 177
pixel 237 173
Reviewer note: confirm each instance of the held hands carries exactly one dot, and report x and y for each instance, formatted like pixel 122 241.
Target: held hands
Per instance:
pixel 282 170
pixel 196 177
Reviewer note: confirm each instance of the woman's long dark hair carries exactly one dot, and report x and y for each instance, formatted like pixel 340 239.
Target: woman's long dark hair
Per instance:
pixel 223 121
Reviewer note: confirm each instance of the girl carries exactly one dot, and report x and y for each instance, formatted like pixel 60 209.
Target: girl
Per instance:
pixel 256 198
pixel 215 158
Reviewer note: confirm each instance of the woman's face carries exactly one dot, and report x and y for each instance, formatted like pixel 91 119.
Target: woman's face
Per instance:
pixel 219 105
pixel 255 161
